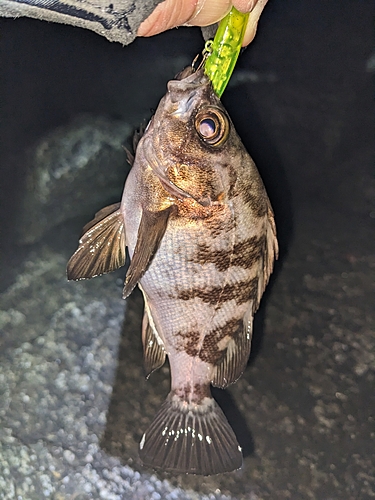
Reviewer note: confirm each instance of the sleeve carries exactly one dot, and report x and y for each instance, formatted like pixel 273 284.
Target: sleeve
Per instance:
pixel 116 20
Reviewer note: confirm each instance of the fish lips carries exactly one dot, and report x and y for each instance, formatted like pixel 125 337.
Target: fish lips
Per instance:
pixel 183 111
pixel 186 93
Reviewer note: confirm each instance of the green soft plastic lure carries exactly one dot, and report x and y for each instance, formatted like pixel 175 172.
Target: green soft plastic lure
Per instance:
pixel 224 50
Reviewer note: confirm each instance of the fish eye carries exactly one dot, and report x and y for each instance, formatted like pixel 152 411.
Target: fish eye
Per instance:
pixel 212 126
pixel 207 128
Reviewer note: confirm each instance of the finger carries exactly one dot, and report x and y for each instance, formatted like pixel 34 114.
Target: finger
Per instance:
pixel 168 14
pixel 244 5
pixel 252 23
pixel 209 12
pixel 172 13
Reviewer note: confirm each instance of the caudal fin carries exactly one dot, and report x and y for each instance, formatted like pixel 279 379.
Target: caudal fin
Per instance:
pixel 190 438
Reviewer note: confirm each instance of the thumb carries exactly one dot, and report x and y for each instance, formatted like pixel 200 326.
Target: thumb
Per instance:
pixel 167 15
pixel 252 23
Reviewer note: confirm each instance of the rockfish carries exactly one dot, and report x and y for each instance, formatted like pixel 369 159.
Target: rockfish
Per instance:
pixel 201 237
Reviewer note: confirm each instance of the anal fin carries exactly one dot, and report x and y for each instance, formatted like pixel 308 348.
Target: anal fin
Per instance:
pixel 235 358
pixel 153 349
pixel 102 248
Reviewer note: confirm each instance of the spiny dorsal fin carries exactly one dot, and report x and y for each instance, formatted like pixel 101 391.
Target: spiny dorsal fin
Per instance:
pixel 138 134
pixel 153 351
pixel 150 233
pixel 272 244
pixel 236 354
pixel 129 156
pixel 271 252
pixel 102 247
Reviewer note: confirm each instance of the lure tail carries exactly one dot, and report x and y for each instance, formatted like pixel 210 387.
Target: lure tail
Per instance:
pixel 190 438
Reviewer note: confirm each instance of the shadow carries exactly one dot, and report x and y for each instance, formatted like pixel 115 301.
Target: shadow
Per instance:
pixel 256 137
pixel 122 435
pixel 235 419
pixel 119 437
pixel 135 401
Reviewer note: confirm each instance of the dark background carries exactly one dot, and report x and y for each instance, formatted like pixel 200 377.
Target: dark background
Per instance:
pixel 303 121
pixel 304 110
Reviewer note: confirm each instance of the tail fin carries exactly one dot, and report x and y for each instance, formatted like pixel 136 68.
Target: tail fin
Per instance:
pixel 190 438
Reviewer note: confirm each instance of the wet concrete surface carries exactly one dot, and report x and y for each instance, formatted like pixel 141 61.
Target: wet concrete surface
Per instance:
pixel 74 402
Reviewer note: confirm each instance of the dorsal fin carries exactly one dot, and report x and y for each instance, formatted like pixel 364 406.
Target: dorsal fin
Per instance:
pixel 129 156
pixel 236 354
pixel 271 254
pixel 138 134
pixel 102 247
pixel 150 233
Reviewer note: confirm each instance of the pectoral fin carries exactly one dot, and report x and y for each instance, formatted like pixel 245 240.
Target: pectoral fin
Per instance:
pixel 150 233
pixel 99 216
pixel 153 348
pixel 236 355
pixel 102 247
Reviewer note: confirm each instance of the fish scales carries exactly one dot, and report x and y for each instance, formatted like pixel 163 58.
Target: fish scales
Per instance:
pixel 201 238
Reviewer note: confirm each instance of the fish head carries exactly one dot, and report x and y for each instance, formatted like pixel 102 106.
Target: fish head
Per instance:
pixel 191 140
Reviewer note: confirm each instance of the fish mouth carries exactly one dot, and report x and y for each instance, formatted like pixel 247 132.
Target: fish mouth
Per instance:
pixel 184 105
pixel 195 80
pixel 186 93
pixel 161 173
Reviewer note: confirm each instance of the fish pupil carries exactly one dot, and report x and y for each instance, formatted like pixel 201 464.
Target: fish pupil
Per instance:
pixel 207 127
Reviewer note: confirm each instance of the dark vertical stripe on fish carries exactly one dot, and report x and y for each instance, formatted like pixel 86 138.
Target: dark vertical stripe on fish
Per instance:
pixel 244 254
pixel 210 352
pixel 241 292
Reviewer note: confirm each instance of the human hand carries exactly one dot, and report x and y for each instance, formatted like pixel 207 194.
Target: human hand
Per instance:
pixel 172 13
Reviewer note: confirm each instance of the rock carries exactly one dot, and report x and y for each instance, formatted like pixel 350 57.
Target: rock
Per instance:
pixel 77 169
pixel 57 371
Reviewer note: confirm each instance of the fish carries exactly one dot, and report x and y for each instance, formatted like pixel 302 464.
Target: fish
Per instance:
pixel 200 233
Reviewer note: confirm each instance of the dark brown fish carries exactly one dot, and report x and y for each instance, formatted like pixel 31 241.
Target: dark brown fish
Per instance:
pixel 202 241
